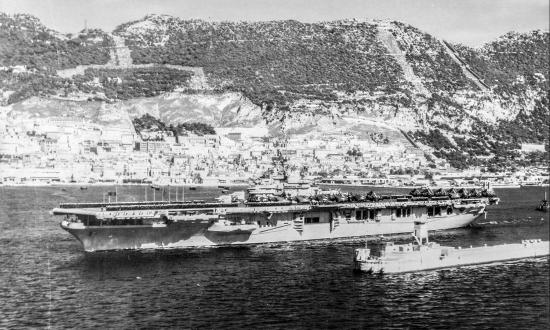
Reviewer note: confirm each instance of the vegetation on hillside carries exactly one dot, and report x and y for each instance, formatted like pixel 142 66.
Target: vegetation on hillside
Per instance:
pixel 125 84
pixel 148 122
pixel 25 41
pixel 119 84
pixel 194 128
pixel 511 63
pixel 30 54
pixel 481 149
pixel 274 62
pixel 430 61
pixel 151 123
pixel 516 68
pixel 27 84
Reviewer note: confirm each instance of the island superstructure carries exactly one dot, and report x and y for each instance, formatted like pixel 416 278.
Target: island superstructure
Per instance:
pixel 280 212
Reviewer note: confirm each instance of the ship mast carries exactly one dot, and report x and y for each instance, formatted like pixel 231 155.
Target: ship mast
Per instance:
pixel 420 233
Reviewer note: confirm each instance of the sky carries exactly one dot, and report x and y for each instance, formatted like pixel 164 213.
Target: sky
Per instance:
pixel 471 22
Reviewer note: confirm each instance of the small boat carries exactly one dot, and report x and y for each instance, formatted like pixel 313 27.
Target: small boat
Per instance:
pixel 192 188
pixel 83 188
pixel 544 206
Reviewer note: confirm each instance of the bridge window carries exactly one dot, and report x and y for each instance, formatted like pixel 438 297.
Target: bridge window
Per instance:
pixel 430 211
pixel 434 210
pixel 372 214
pixel 311 220
pixel 365 214
pixel 347 214
pixel 404 212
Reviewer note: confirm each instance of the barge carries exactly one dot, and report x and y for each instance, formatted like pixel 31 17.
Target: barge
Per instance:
pixel 387 257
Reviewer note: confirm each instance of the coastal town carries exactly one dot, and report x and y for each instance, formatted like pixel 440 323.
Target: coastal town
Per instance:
pixel 87 127
pixel 75 150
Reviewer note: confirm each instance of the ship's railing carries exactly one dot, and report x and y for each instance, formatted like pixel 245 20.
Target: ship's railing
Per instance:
pixel 166 206
pixel 381 199
pixel 385 204
pixel 281 203
pixel 308 206
pixel 173 209
pixel 314 200
pixel 384 201
pixel 369 197
pixel 136 205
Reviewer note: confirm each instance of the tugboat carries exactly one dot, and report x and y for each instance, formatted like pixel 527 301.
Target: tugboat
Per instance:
pixel 387 257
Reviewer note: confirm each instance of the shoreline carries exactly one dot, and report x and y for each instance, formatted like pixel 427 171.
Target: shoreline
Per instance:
pixel 205 185
pixel 229 185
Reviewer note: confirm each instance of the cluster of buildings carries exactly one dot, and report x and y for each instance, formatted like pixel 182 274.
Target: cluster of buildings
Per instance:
pixel 45 150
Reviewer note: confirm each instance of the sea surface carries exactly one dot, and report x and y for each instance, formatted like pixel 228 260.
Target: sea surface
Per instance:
pixel 46 280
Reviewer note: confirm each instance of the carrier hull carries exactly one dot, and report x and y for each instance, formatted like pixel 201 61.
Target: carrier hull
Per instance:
pixel 187 234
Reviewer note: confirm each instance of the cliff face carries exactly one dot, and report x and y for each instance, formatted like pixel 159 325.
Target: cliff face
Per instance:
pixel 296 77
pixel 220 110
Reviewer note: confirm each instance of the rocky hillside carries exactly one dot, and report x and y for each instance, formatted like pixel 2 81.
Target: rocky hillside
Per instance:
pixel 482 103
pixel 25 41
pixel 30 53
pixel 515 68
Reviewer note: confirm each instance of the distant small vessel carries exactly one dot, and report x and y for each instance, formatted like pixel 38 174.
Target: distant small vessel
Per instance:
pixel 544 206
pixel 387 257
pixel 192 188
pixel 83 188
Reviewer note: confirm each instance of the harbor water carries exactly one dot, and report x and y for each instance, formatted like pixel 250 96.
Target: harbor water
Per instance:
pixel 48 281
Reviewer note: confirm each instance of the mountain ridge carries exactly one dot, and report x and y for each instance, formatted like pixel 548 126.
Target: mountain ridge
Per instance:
pixel 296 72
